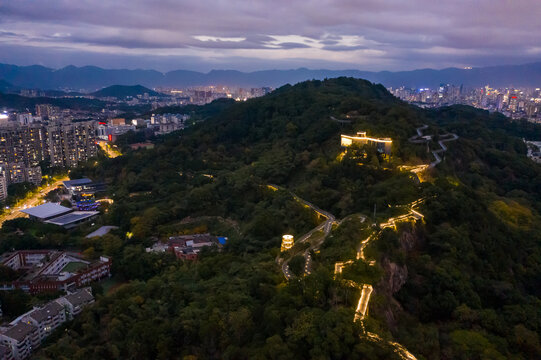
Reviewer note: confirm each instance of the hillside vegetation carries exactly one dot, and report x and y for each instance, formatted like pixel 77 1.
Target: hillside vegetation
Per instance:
pixel 463 283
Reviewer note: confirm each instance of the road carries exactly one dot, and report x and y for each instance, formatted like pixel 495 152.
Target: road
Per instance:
pixel 340 121
pixel 110 150
pixel 14 212
pixel 326 227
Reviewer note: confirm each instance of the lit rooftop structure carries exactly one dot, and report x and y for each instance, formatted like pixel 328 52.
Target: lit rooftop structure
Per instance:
pixel 382 144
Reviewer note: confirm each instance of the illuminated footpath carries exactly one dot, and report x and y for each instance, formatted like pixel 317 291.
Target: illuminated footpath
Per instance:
pixel 366 289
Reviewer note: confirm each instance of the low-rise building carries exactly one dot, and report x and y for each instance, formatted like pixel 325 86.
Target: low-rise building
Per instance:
pixel 29 330
pixel 6 353
pixel 46 319
pixel 51 271
pixel 21 339
pixel 75 302
pixel 187 247
pixel 56 214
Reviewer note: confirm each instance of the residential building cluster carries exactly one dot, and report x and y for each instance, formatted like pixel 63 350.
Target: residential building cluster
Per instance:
pixel 22 336
pixel 205 94
pixel 46 271
pixel 158 124
pixel 25 144
pixel 187 247
pixel 515 103
pixel 166 123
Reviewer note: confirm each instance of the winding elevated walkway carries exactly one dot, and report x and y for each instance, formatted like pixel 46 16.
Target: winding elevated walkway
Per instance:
pixel 422 139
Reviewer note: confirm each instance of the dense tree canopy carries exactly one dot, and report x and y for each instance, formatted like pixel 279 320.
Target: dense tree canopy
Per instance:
pixel 461 283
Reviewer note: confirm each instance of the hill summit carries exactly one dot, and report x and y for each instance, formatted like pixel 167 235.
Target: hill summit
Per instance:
pixel 122 91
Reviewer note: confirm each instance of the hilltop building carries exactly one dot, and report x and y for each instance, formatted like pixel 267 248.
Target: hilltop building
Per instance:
pixel 382 144
pixel 187 247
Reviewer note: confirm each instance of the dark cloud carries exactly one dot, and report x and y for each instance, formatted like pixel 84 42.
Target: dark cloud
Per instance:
pixel 365 34
pixel 293 45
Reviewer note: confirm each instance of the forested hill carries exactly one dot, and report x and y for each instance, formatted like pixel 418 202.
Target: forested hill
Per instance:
pixel 121 91
pixel 23 103
pixel 460 282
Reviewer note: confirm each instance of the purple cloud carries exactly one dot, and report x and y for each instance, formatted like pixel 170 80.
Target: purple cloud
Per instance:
pixel 363 34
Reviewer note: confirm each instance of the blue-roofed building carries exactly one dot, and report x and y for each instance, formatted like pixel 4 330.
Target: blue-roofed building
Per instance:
pixel 222 240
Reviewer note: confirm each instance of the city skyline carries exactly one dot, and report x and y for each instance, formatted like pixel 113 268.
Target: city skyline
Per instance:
pixel 368 35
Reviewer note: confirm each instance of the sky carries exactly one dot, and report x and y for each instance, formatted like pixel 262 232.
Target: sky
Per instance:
pixel 251 35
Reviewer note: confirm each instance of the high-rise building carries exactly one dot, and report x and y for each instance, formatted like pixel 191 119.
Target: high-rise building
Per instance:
pixel 33 175
pixel 46 111
pixel 3 187
pixel 18 172
pixel 71 143
pixel 24 144
pixel 25 118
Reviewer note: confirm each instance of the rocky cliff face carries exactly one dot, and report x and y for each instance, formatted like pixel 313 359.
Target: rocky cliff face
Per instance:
pixel 396 274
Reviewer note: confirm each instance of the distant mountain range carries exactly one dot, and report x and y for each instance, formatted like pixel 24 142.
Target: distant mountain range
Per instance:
pixel 91 78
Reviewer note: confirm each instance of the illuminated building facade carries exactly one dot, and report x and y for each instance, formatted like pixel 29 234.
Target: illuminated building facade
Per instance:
pixel 383 144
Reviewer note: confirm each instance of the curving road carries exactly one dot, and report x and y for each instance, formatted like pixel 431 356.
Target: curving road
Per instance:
pixel 325 226
pixel 15 212
pixel 340 121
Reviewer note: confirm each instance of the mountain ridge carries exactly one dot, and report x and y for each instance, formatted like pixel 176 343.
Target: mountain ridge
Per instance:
pixel 92 78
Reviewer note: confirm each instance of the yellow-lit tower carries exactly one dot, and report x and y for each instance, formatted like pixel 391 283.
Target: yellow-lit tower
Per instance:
pixel 287 242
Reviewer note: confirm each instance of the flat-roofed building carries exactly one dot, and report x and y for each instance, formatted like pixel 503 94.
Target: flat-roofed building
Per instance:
pixel 46 211
pixel 76 301
pixel 72 219
pixel 46 319
pixel 56 214
pixel 50 270
pixel 22 338
pixel 29 330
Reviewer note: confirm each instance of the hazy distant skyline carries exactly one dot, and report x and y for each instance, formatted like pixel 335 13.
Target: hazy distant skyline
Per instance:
pixel 252 35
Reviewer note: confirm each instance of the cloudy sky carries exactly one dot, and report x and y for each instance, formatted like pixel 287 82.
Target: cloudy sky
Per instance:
pixel 279 34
